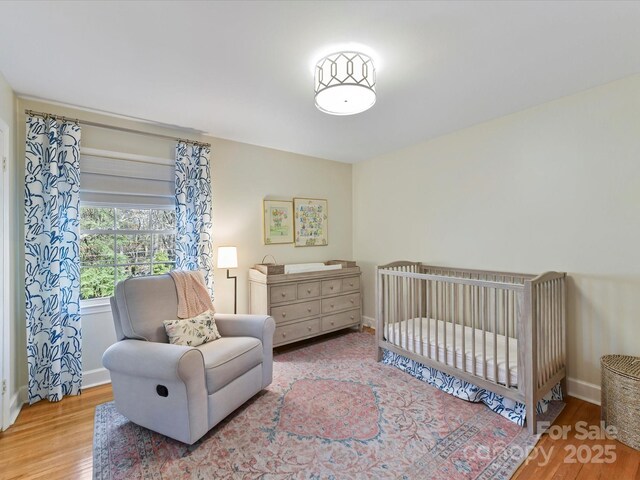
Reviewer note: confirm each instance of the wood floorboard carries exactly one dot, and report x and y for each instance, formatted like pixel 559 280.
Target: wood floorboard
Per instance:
pixel 54 441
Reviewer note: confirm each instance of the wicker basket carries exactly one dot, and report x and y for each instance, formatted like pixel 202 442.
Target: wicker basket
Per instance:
pixel 621 396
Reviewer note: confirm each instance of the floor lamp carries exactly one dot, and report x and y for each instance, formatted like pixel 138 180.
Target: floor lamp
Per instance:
pixel 228 258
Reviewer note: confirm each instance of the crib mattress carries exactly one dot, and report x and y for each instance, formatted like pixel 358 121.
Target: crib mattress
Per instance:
pixel 410 330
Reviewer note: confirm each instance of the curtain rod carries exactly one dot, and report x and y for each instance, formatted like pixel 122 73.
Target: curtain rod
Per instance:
pixel 112 127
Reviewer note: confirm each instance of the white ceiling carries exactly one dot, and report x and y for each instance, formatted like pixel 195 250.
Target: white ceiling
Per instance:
pixel 242 70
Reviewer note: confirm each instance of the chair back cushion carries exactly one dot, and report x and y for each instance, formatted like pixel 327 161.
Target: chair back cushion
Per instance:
pixel 143 304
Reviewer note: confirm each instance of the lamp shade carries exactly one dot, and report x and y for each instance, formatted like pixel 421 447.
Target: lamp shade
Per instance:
pixel 227 257
pixel 345 83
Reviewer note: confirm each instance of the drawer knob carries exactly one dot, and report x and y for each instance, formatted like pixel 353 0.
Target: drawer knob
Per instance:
pixel 308 290
pixel 332 305
pixel 284 314
pixel 283 294
pixel 309 309
pixel 352 317
pixel 352 300
pixel 284 334
pixel 351 284
pixel 331 323
pixel 331 287
pixel 309 328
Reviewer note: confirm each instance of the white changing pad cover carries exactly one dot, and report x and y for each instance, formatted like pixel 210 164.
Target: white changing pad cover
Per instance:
pixel 401 331
pixel 309 267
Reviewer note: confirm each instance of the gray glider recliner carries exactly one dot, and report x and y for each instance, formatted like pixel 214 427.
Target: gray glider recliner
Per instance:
pixel 180 391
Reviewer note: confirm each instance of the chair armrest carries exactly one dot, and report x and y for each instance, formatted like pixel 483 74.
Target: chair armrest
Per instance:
pixel 261 327
pixel 159 361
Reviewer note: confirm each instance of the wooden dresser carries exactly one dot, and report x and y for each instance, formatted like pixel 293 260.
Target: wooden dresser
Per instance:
pixel 308 304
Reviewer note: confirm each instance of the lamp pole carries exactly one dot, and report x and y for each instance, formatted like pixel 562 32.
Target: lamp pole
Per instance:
pixel 235 291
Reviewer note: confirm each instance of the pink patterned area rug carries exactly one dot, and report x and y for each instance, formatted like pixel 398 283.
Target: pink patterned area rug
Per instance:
pixel 332 412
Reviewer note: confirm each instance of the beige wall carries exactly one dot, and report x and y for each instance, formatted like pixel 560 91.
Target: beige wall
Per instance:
pixel 556 187
pixel 242 176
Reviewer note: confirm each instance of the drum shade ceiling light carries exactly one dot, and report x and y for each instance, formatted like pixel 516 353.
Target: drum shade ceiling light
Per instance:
pixel 345 83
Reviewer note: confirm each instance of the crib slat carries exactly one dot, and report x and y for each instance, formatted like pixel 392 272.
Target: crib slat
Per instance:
pixel 540 319
pixel 554 326
pixel 557 334
pixel 389 293
pixel 495 335
pixel 556 304
pixel 420 315
pixel 549 338
pixel 412 314
pixel 464 328
pixel 505 295
pixel 405 310
pixel 428 308
pixel 391 308
pixel 437 320
pixel 474 318
pixel 541 336
pixel 544 335
pixel 445 318
pixel 485 321
pixel 385 306
pixel 396 314
pixel 559 325
pixel 454 320
pixel 549 330
pixel 540 324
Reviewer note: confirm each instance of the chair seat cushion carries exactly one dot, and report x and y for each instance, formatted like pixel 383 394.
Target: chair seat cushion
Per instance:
pixel 228 358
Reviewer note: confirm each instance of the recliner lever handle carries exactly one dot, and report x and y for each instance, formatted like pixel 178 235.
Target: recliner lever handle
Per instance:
pixel 162 390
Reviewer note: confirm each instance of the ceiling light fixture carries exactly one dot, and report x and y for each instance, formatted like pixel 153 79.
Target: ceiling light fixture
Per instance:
pixel 345 83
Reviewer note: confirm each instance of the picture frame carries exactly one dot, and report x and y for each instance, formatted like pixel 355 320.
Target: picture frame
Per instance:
pixel 277 221
pixel 311 222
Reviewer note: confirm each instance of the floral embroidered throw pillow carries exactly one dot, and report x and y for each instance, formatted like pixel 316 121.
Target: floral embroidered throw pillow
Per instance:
pixel 192 331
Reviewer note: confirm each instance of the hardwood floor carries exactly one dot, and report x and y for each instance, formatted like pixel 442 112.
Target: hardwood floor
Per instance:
pixel 575 458
pixel 54 441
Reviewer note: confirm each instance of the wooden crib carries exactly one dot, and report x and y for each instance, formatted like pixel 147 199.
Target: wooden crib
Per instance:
pixel 504 332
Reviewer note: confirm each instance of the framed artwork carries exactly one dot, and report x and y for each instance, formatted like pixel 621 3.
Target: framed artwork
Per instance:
pixel 311 220
pixel 278 222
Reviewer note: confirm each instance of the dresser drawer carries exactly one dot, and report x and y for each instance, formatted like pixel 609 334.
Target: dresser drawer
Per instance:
pixel 295 311
pixel 329 287
pixel 308 290
pixel 283 293
pixel 297 331
pixel 350 284
pixel 336 304
pixel 339 320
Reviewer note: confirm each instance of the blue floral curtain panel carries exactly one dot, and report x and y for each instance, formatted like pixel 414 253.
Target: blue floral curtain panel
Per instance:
pixel 52 261
pixel 193 210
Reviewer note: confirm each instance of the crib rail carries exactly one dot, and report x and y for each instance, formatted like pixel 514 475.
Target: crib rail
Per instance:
pixel 468 322
pixel 503 277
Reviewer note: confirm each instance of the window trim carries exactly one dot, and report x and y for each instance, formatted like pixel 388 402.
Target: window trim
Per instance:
pixel 92 306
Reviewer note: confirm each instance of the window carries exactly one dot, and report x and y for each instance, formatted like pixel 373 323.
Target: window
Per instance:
pixel 117 243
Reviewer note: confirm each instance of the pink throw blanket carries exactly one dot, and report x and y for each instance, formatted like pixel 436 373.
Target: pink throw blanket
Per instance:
pixel 193 296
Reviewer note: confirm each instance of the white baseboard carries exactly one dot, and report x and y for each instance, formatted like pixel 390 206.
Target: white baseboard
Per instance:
pixel 93 378
pixel 17 401
pixel 90 378
pixel 589 392
pixel 369 322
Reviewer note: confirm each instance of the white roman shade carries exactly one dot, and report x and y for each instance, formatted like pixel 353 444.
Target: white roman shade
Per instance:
pixel 116 178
